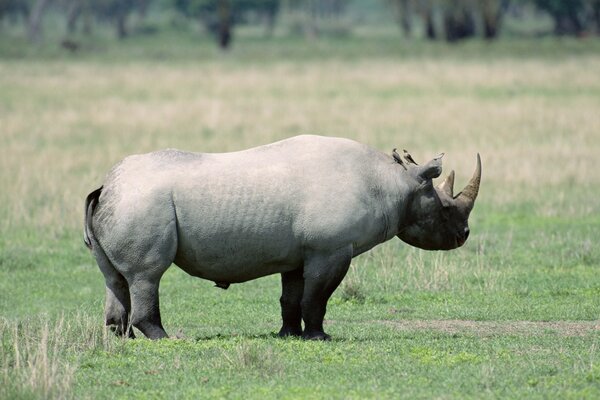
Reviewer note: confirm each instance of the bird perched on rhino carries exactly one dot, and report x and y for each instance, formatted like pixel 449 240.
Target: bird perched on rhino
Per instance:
pixel 409 158
pixel 398 158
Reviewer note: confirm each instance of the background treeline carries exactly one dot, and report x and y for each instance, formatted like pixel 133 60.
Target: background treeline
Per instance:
pixel 458 19
pixel 450 20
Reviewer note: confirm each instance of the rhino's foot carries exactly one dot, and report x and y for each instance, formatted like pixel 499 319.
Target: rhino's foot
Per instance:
pixel 119 331
pixel 288 331
pixel 316 336
pixel 152 331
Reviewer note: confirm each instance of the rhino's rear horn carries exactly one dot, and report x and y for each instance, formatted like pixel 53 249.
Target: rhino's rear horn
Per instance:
pixel 447 186
pixel 469 193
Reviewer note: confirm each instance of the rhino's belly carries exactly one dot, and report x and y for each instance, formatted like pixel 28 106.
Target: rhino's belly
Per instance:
pixel 230 273
pixel 234 259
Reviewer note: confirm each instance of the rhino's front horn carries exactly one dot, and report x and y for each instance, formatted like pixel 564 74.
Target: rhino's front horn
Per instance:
pixel 447 186
pixel 469 193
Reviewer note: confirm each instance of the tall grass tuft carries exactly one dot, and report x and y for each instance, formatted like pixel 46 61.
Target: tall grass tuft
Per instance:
pixel 39 356
pixel 395 268
pixel 254 358
pixel 352 291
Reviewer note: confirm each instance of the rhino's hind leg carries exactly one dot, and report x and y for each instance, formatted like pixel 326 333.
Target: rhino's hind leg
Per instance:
pixel 118 305
pixel 322 275
pixel 145 311
pixel 292 283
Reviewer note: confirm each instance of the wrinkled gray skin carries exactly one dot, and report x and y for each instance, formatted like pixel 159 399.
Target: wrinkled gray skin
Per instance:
pixel 302 207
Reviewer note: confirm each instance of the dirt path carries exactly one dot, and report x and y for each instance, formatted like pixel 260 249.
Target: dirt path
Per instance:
pixel 490 328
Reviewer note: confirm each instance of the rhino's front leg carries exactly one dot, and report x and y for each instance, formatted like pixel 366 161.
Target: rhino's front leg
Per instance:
pixel 322 275
pixel 292 284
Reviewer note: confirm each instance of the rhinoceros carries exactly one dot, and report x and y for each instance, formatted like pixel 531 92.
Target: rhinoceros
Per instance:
pixel 301 207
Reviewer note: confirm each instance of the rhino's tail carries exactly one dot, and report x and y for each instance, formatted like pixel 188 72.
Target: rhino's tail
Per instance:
pixel 90 204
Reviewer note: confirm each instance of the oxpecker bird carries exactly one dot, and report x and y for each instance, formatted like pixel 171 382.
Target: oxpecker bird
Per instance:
pixel 397 158
pixel 409 158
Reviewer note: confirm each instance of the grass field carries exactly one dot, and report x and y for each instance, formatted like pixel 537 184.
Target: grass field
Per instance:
pixel 514 313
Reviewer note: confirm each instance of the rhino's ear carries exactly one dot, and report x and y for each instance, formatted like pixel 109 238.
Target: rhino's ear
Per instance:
pixel 432 169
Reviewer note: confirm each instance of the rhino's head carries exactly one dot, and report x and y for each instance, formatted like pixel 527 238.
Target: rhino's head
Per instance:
pixel 435 218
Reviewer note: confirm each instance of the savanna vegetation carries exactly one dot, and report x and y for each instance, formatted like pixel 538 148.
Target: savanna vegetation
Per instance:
pixel 450 20
pixel 513 313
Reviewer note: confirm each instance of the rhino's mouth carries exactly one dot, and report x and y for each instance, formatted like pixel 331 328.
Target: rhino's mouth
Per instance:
pixel 461 239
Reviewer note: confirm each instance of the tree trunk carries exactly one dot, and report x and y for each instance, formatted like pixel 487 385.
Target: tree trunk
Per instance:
pixel 426 10
pixel 310 26
pixel 142 6
pixel 405 17
pixel 121 24
pixel 575 21
pixel 596 15
pixel 567 24
pixel 34 24
pixel 87 22
pixel 458 22
pixel 224 29
pixel 270 22
pixel 430 24
pixel 492 12
pixel 73 13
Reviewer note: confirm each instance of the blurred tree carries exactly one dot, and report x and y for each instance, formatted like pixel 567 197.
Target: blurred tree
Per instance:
pixel 142 8
pixel 568 15
pixel 115 11
pixel 73 11
pixel 404 12
pixel 34 22
pixel 595 14
pixel 220 16
pixel 427 12
pixel 216 16
pixel 270 10
pixel 316 17
pixel 459 20
pixel 492 12
pixel 14 10
pixel 224 20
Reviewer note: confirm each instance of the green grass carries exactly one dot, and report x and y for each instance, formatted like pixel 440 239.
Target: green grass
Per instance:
pixel 514 313
pixel 250 45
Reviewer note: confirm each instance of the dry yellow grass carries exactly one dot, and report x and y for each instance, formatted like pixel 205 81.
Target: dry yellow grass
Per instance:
pixel 63 125
pixel 40 355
